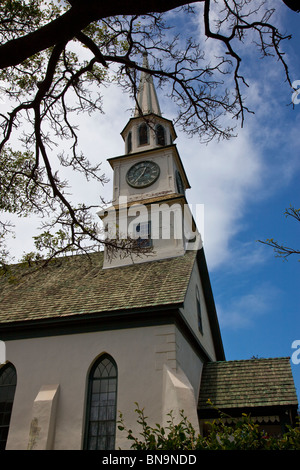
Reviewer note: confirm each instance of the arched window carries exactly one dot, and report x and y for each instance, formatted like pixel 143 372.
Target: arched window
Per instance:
pixel 8 382
pixel 199 316
pixel 101 405
pixel 143 134
pixel 180 187
pixel 129 142
pixel 143 234
pixel 160 135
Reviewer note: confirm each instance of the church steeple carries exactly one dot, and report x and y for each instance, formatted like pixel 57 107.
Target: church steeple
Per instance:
pixel 147 129
pixel 147 101
pixel 149 184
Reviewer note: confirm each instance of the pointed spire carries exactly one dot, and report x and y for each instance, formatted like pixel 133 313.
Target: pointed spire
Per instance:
pixel 147 98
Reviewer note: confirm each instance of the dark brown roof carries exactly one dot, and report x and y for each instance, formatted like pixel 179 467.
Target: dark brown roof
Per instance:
pixel 78 285
pixel 247 383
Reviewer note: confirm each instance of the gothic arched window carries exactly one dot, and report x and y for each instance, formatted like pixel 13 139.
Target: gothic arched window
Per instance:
pixel 129 142
pixel 143 134
pixel 160 135
pixel 8 382
pixel 199 316
pixel 101 405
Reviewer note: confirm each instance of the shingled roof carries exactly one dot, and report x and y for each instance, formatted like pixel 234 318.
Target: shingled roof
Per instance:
pixel 77 285
pixel 247 383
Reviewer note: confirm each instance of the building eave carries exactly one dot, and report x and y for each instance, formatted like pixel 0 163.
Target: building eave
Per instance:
pixel 105 321
pixel 210 304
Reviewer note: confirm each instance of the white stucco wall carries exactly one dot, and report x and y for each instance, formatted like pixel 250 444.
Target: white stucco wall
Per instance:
pixel 140 354
pixel 190 313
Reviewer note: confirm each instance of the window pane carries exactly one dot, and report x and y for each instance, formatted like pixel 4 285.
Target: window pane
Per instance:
pixel 160 135
pixel 96 386
pixel 93 443
pixel 94 413
pixel 102 394
pixel 129 143
pixel 110 428
pixel 102 428
pixel 111 412
pixel 143 234
pixel 94 429
pixel 110 442
pixel 143 134
pixel 103 385
pixel 102 444
pixel 112 385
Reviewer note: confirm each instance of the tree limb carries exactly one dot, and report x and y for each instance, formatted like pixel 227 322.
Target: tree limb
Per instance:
pixel 68 25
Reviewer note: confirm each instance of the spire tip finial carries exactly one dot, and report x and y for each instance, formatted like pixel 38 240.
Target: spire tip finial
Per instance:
pixel 147 98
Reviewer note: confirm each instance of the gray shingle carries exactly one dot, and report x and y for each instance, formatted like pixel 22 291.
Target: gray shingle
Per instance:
pixel 247 383
pixel 78 285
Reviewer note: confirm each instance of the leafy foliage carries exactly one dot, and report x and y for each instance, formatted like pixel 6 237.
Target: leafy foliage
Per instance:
pixel 244 435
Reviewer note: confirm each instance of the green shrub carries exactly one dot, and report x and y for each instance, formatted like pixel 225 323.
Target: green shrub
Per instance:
pixel 243 435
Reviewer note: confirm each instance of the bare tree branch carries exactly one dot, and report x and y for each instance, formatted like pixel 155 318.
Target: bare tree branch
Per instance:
pixel 281 250
pixel 48 81
pixel 68 25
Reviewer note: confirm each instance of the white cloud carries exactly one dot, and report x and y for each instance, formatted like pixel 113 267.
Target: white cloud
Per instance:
pixel 224 176
pixel 243 311
pixel 99 139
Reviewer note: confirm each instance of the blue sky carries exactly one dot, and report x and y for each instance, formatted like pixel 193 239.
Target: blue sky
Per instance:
pixel 245 185
pixel 257 295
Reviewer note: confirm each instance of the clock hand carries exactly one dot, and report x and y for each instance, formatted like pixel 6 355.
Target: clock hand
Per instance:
pixel 144 169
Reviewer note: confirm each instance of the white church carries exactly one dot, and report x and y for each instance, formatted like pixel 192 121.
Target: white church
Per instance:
pixel 87 337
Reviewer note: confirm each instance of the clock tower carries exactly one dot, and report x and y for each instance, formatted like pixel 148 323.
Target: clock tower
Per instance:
pixel 149 204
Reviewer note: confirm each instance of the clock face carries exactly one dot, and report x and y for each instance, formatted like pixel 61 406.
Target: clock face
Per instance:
pixel 142 174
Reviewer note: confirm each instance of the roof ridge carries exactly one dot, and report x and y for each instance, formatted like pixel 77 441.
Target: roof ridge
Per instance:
pixel 247 360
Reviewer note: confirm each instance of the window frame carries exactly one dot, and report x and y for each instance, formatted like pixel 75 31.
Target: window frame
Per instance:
pixel 199 312
pixel 129 142
pixel 143 242
pixel 160 133
pixel 141 142
pixel 7 405
pixel 91 381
